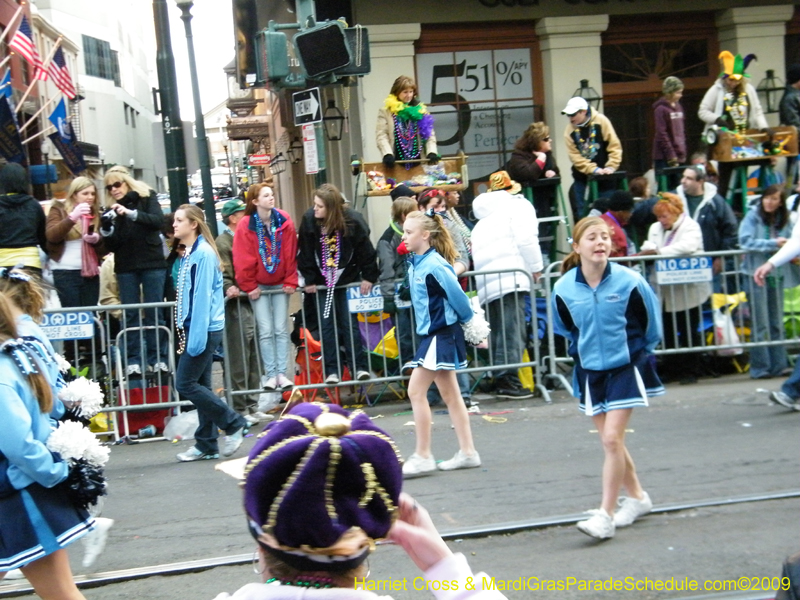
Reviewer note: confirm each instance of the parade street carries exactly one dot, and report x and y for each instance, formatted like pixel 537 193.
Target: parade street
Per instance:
pixel 717 440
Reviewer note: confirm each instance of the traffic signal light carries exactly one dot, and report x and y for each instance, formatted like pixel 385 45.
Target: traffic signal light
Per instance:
pixel 272 57
pixel 322 49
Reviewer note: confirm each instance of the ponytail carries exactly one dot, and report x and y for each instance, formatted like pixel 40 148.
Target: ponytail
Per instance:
pixel 572 260
pixel 440 239
pixel 8 331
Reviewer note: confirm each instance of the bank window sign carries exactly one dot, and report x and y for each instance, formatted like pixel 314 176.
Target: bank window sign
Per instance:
pixel 481 102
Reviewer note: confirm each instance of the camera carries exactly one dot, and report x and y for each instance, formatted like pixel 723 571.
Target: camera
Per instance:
pixel 107 218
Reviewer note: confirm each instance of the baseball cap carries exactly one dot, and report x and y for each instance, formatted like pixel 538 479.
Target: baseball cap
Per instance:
pixel 232 206
pixel 575 104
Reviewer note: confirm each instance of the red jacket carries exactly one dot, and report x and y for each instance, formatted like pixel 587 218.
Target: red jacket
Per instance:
pixel 618 237
pixel 247 265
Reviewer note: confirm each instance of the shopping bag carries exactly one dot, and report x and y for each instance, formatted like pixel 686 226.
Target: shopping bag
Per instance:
pixel 725 333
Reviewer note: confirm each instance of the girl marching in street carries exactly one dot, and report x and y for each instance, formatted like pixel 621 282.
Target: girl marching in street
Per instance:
pixel 265 265
pixel 37 517
pixel 199 321
pixel 611 318
pixel 440 307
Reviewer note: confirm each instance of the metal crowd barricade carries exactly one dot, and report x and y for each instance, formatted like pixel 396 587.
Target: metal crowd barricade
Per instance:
pixel 374 341
pixel 730 290
pixel 103 356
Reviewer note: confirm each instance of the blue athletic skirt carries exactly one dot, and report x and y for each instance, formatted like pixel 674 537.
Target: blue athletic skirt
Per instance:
pixel 627 386
pixel 443 350
pixel 37 521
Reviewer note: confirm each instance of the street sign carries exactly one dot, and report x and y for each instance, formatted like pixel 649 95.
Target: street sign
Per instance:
pixel 257 160
pixel 307 107
pixel 68 326
pixel 358 303
pixel 683 269
pixel 310 149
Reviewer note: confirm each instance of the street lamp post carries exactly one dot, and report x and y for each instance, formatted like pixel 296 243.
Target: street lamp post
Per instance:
pixel 199 122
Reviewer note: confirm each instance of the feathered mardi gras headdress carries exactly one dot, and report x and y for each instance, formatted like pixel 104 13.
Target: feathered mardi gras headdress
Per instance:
pixel 734 66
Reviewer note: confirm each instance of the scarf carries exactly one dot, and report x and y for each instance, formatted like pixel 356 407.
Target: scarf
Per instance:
pixel 406 112
pixel 89 264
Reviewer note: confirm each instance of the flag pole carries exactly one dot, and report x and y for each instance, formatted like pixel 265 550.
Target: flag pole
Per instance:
pixel 44 68
pixel 10 21
pixel 38 112
pixel 33 137
pixel 6 59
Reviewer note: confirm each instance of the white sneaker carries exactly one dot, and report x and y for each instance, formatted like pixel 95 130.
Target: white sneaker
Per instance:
pixel 630 509
pixel 284 382
pixel 161 366
pixel 599 525
pixel 261 417
pixel 193 454
pixel 416 465
pixel 332 379
pixel 95 541
pixel 270 384
pixel 781 398
pixel 13 574
pixel 251 419
pixel 362 375
pixel 134 370
pixel 460 461
pixel 233 441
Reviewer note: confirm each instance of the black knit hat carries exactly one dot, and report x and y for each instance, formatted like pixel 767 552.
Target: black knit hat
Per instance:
pixel 401 191
pixel 620 200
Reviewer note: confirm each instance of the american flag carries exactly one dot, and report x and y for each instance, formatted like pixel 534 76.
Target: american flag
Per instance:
pixel 60 74
pixel 22 42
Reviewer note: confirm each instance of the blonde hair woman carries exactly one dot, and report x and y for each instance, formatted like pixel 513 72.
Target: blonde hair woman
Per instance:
pixel 74 244
pixel 132 230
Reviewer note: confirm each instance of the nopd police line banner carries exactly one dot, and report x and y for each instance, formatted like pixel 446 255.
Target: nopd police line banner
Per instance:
pixel 683 269
pixel 68 326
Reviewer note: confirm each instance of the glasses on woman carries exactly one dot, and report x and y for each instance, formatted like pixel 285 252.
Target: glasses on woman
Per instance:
pixel 114 186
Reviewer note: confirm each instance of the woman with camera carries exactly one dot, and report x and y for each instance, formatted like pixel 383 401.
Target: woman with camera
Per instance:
pixel 131 229
pixel 74 244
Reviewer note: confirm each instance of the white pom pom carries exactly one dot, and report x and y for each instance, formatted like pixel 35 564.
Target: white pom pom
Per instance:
pixel 84 392
pixel 73 441
pixel 477 329
pixel 63 365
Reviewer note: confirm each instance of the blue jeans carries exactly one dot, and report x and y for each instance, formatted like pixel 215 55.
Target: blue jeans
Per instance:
pixel 74 289
pixel 242 355
pixel 193 382
pixel 506 317
pixel 271 312
pixel 405 333
pixel 341 333
pixel 151 283
pixel 766 312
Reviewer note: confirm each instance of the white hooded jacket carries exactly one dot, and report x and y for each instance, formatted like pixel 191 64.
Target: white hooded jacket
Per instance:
pixel 505 237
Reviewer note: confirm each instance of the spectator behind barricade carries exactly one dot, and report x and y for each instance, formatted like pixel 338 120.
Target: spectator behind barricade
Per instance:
pixel 700 158
pixel 532 160
pixel 131 227
pixel 74 244
pixel 335 250
pixel 199 321
pixel 242 357
pixel 109 288
pixel 393 264
pixel 405 127
pixel 317 545
pixel 265 262
pixel 620 207
pixel 733 103
pixel 716 219
pixel 431 198
pixel 22 221
pixel 677 234
pixel 171 256
pixel 642 216
pixel 436 200
pixel 593 148
pixel 669 142
pixel 789 107
pixel 765 229
pixel 505 238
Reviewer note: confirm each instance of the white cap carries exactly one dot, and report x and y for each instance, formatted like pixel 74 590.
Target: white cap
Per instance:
pixel 575 104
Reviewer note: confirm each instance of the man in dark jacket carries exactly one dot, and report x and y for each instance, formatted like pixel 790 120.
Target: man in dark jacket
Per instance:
pixel 790 103
pixel 716 219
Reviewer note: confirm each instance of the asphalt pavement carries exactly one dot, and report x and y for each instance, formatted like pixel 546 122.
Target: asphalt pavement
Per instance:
pixel 716 440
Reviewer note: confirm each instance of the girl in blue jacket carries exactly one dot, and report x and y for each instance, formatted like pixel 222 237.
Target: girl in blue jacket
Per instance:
pixel 440 306
pixel 611 318
pixel 37 520
pixel 199 322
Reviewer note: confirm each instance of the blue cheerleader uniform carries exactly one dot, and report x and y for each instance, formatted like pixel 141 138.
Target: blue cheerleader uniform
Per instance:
pixel 36 519
pixel 612 331
pixel 440 306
